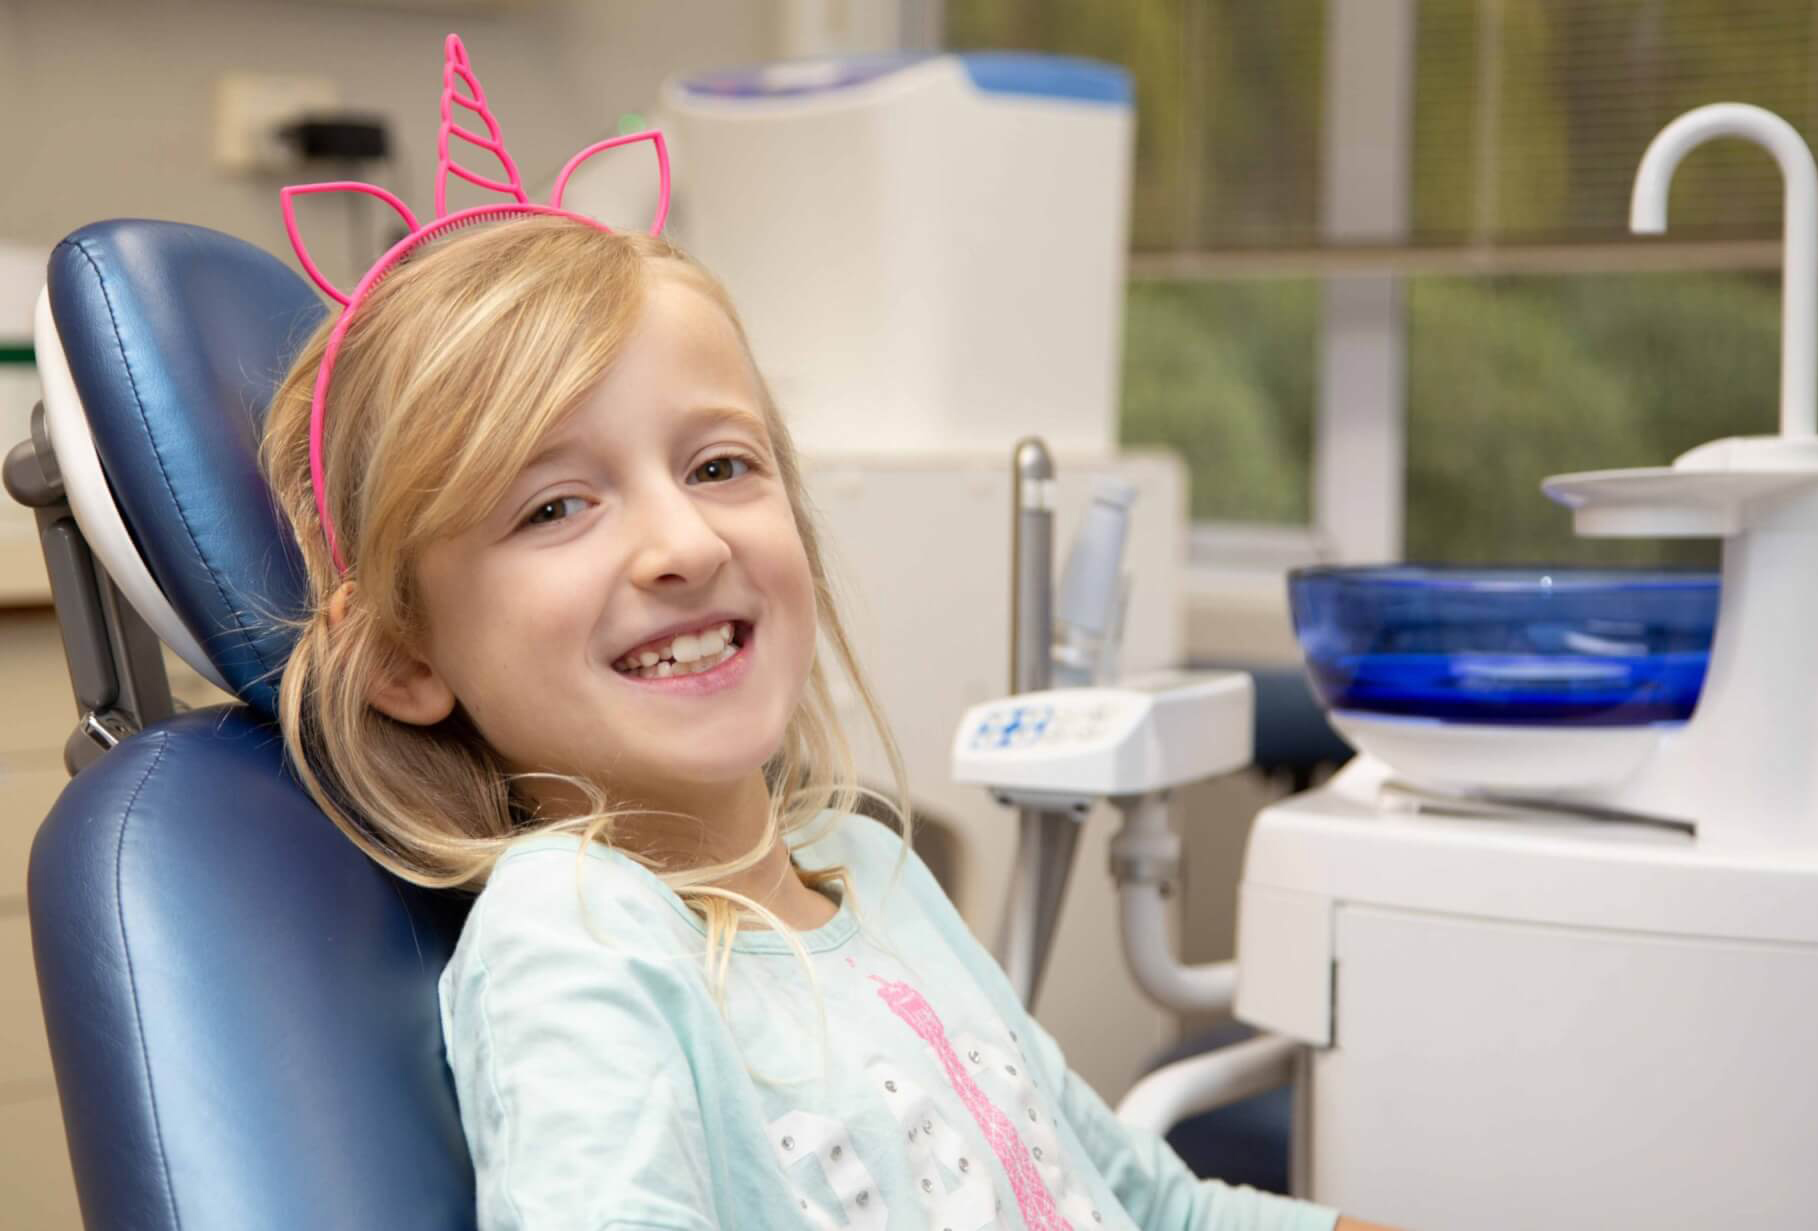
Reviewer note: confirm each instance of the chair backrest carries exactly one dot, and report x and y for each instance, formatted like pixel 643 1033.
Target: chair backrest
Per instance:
pixel 241 1007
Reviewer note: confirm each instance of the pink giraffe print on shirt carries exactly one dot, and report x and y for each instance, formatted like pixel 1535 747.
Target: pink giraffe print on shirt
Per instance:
pixel 1032 1196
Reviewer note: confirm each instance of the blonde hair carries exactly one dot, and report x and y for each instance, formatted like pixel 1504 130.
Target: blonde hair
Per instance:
pixel 454 369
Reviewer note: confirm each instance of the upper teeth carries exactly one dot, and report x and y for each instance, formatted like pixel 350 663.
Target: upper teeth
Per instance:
pixel 704 647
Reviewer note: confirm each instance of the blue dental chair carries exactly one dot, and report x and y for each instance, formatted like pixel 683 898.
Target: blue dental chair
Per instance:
pixel 241 1007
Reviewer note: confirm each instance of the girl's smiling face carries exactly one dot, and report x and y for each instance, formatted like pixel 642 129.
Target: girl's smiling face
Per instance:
pixel 655 509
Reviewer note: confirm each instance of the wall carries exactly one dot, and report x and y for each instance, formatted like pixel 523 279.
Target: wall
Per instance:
pixel 110 104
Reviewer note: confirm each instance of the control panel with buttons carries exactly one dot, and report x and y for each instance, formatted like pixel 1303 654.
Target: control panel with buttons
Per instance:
pixel 1068 717
pixel 1082 744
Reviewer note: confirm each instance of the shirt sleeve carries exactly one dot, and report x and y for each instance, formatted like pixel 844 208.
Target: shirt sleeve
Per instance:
pixel 1154 1186
pixel 1150 1181
pixel 575 1088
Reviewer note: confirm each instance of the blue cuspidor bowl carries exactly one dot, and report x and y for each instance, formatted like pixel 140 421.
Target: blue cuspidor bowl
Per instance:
pixel 1512 646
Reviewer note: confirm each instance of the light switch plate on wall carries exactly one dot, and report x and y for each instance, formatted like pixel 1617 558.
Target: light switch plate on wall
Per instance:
pixel 250 108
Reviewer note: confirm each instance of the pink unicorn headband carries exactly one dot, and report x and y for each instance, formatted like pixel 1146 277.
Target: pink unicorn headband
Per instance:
pixel 456 74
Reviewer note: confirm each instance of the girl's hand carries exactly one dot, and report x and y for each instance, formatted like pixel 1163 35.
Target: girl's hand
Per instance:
pixel 1351 1224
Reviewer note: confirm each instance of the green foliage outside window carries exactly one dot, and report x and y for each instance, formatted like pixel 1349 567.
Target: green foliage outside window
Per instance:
pixel 1509 379
pixel 1223 374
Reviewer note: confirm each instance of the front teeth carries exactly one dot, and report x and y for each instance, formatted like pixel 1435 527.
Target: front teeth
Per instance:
pixel 664 670
pixel 691 655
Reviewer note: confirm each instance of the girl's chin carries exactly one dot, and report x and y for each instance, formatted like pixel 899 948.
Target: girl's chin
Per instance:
pixel 696 777
pixel 648 780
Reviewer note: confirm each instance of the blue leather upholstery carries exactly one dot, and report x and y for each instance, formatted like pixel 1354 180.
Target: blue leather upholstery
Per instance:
pixel 241 1006
pixel 176 337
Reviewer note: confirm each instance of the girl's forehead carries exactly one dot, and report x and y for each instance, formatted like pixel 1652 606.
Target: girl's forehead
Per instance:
pixel 679 306
pixel 684 352
pixel 681 369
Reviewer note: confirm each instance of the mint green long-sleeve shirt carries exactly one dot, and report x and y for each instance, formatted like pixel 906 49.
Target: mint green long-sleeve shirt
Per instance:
pixel 902 1087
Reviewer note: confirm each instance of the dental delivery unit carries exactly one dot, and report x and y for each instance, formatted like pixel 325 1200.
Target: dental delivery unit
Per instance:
pixel 1544 953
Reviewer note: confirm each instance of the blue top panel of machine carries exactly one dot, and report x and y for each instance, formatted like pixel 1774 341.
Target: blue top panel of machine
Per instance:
pixel 1025 72
pixel 995 72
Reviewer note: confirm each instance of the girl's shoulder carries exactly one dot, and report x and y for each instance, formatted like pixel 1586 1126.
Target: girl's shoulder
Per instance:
pixel 533 864
pixel 549 888
pixel 576 931
pixel 846 839
pixel 872 853
pixel 886 872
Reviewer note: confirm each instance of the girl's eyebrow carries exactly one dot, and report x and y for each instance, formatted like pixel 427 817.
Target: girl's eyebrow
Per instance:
pixel 550 452
pixel 730 416
pixel 705 416
pixel 567 444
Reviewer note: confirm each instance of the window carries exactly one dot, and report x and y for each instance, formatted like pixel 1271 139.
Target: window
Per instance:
pixel 1592 349
pixel 1521 331
pixel 1219 369
pixel 1513 378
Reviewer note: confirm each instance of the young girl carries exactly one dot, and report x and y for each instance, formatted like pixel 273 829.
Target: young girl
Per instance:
pixel 570 647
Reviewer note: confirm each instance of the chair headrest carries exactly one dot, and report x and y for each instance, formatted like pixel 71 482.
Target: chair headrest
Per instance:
pixel 176 337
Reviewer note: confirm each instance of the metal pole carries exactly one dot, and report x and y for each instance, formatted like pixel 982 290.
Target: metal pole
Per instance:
pixel 1031 567
pixel 1045 840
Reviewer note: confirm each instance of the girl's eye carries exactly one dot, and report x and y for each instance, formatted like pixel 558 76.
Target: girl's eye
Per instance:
pixel 555 510
pixel 720 469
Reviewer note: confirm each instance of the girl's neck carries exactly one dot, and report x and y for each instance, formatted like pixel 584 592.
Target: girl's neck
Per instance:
pixel 773 882
pixel 732 821
pixel 777 886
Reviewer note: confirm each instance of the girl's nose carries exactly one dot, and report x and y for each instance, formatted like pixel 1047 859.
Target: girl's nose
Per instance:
pixel 677 545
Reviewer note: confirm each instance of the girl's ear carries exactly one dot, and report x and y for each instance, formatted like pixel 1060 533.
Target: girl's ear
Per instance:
pixel 412 692
pixel 410 689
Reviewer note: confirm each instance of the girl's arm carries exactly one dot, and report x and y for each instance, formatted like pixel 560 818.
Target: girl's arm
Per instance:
pixel 577 1098
pixel 1149 1180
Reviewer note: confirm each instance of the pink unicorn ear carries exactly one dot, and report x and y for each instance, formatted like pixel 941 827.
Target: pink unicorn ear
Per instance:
pixel 296 236
pixel 600 147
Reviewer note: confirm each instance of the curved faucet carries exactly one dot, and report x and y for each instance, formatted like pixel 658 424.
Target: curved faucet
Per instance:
pixel 1799 258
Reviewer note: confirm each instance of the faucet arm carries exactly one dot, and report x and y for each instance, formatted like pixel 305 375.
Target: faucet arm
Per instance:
pixel 1799 274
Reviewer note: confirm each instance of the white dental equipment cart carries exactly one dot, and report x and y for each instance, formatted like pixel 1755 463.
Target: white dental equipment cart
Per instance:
pixel 1560 978
pixel 1518 1016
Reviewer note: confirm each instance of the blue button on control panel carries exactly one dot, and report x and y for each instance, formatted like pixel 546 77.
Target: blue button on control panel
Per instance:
pixel 1013 726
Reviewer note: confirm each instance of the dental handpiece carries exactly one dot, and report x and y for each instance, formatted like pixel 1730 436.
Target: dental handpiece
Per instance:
pixel 1089 608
